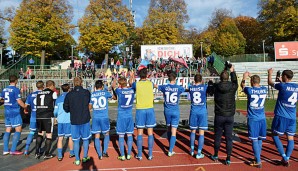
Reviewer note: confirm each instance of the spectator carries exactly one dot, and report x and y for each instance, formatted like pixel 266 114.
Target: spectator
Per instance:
pixel 130 63
pixel 112 65
pixel 28 73
pixel 118 65
pixel 124 63
pixel 21 73
pixel 92 65
pixel 224 99
pixel 69 74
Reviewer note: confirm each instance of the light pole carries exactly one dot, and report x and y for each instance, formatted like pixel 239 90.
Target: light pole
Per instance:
pixel 264 49
pixel 72 46
pixel 201 49
pixel 1 46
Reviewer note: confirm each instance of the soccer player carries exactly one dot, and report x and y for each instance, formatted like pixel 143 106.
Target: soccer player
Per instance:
pixel 100 121
pixel 125 123
pixel 171 93
pixel 63 119
pixel 284 120
pixel 145 116
pixel 198 114
pixel 45 103
pixel 77 103
pixel 30 101
pixel 12 102
pixel 256 120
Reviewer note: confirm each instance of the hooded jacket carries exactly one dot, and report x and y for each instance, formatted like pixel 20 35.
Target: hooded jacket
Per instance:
pixel 224 96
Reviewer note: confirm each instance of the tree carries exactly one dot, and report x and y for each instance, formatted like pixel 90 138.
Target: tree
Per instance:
pixel 279 19
pixel 104 25
pixel 159 28
pixel 252 31
pixel 178 7
pixel 40 24
pixel 228 40
pixel 218 16
pixel 164 23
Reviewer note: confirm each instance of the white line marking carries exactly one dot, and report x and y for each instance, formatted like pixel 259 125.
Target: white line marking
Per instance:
pixel 169 166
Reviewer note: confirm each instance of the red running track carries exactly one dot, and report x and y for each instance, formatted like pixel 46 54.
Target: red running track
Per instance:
pixel 242 153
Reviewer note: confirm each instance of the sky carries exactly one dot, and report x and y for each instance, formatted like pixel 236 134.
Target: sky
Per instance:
pixel 199 11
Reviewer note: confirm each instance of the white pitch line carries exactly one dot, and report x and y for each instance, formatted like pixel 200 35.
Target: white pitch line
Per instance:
pixel 167 166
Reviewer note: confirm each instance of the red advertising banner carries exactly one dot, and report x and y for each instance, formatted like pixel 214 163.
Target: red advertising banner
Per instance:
pixel 286 50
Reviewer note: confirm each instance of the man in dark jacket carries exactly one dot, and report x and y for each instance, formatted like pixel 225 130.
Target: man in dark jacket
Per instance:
pixel 77 103
pixel 224 98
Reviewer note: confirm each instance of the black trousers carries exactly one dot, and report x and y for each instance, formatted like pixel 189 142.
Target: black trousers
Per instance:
pixel 223 123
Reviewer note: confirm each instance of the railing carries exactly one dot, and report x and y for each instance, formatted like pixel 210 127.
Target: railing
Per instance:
pixel 28 86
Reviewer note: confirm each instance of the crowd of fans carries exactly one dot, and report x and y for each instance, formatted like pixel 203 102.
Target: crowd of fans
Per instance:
pixel 159 68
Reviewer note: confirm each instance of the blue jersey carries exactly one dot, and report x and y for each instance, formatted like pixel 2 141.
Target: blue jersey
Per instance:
pixel 171 93
pixel 198 98
pixel 255 102
pixel 125 100
pixel 59 112
pixel 99 102
pixel 287 99
pixel 10 95
pixel 32 103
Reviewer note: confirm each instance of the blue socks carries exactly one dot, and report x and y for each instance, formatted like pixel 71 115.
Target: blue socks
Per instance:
pixel 290 148
pixel 201 143
pixel 140 145
pixel 6 138
pixel 76 147
pixel 86 147
pixel 121 145
pixel 106 143
pixel 279 147
pixel 71 152
pixel 172 143
pixel 97 146
pixel 59 152
pixel 192 141
pixel 129 144
pixel 169 134
pixel 260 144
pixel 15 140
pixel 150 144
pixel 29 140
pixel 256 150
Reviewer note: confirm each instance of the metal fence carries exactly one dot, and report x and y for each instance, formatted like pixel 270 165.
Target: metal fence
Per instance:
pixel 28 86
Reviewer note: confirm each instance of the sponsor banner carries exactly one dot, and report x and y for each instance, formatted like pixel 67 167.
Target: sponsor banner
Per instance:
pixel 182 81
pixel 155 52
pixel 286 50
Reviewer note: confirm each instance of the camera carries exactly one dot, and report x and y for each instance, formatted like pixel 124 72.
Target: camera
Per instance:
pixel 228 65
pixel 277 76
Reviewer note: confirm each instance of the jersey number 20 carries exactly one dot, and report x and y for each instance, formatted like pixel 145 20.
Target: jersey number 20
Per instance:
pixel 99 103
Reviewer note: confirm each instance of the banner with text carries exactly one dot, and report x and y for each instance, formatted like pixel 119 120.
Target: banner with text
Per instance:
pixel 286 50
pixel 154 52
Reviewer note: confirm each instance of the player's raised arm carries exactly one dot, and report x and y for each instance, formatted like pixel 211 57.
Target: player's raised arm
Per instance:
pixel 270 82
pixel 114 86
pixel 245 75
pixel 131 78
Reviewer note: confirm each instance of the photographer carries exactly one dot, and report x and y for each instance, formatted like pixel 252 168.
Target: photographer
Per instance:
pixel 224 98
